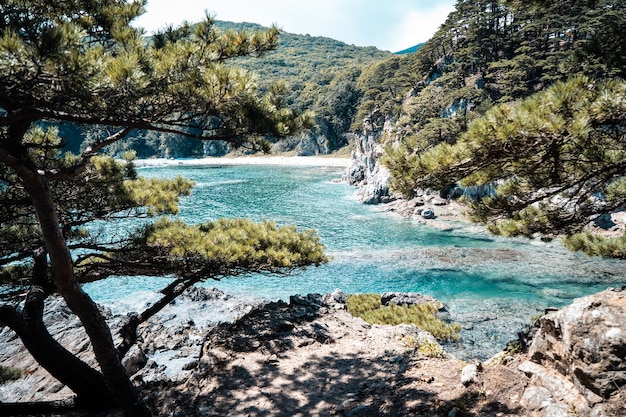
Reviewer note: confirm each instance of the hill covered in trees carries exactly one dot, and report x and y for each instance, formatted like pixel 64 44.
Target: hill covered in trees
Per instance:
pixel 319 75
pixel 527 98
pixel 490 52
pixel 307 73
pixel 308 64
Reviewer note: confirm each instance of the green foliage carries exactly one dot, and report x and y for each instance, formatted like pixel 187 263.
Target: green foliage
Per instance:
pixel 308 64
pixel 594 245
pixel 424 316
pixel 314 76
pixel 80 71
pixel 233 245
pixel 383 85
pixel 9 374
pixel 551 155
pixel 428 349
pixel 114 77
pixel 78 67
pixel 321 76
pixel 158 196
pixel 501 52
pixel 224 248
pixel 359 304
pixel 431 350
pixel 109 190
pixel 106 190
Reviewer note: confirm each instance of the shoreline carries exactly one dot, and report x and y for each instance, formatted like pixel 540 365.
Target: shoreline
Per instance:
pixel 311 357
pixel 295 161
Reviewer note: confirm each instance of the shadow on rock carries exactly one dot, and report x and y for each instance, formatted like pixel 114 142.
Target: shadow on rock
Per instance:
pixel 311 358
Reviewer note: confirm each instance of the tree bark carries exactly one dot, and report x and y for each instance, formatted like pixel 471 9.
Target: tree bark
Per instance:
pixel 129 329
pixel 87 383
pixel 66 284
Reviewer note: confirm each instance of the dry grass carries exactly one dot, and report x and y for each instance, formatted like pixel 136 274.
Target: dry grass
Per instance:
pixel 424 316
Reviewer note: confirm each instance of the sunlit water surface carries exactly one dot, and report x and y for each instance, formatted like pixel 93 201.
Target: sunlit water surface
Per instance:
pixel 492 286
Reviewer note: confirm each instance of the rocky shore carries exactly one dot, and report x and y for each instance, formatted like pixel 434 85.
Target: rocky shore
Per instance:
pixel 310 357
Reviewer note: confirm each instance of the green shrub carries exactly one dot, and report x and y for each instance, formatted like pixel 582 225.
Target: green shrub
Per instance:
pixel 9 374
pixel 369 308
pixel 594 245
pixel 426 348
pixel 432 350
pixel 359 304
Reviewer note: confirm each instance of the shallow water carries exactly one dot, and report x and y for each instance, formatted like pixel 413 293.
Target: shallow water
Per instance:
pixel 492 285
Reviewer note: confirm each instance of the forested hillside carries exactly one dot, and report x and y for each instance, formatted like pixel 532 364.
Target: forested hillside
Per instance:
pixel 308 64
pixel 319 75
pixel 492 51
pixel 473 117
pixel 308 73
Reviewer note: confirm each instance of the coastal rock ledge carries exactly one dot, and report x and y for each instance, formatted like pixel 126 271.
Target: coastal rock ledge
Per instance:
pixel 577 358
pixel 310 357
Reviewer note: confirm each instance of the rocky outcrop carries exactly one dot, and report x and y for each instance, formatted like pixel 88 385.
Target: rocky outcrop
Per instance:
pixel 408 298
pixel 167 344
pixel 311 357
pixel 36 384
pixel 308 357
pixel 577 358
pixel 370 177
pixel 311 144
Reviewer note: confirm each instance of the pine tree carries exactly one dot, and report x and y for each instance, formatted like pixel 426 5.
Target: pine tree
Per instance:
pixel 81 62
pixel 503 52
pixel 556 159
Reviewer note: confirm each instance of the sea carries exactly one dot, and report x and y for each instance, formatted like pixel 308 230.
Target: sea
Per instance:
pixel 494 287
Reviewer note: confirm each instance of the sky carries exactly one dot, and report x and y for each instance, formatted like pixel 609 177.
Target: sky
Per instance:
pixel 390 25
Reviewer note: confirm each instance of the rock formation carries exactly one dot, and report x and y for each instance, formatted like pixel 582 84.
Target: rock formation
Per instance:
pixel 310 357
pixel 577 358
pixel 312 143
pixel 370 177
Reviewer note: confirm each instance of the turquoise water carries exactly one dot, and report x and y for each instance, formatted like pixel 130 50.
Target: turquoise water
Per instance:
pixel 491 285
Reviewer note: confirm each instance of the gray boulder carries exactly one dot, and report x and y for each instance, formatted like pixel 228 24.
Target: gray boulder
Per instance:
pixel 578 354
pixel 408 298
pixel 336 299
pixel 134 360
pixel 470 372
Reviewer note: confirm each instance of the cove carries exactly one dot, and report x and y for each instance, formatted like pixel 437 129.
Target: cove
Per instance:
pixel 492 286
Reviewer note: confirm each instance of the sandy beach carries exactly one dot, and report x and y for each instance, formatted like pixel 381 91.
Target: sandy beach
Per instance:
pixel 315 161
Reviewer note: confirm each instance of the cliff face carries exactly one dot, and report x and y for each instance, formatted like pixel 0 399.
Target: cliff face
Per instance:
pixel 365 172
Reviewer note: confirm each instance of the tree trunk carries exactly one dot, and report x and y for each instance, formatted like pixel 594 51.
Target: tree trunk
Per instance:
pixel 77 300
pixel 88 384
